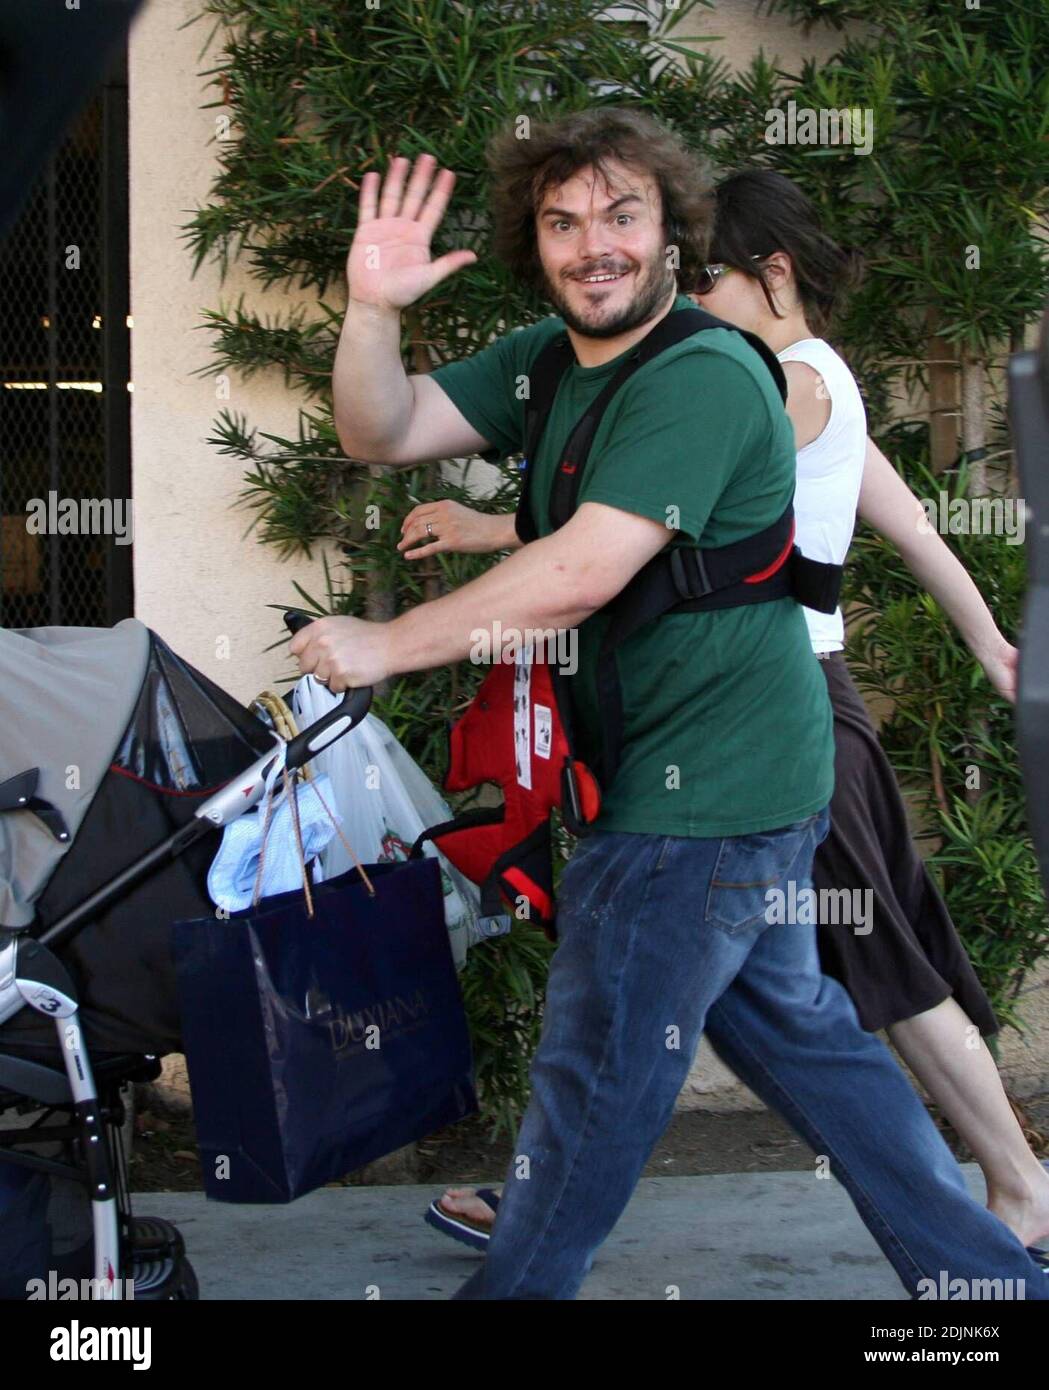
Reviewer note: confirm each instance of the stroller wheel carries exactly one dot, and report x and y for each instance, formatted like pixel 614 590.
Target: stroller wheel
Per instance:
pixel 188 1289
pixel 152 1235
pixel 167 1281
pixel 162 1273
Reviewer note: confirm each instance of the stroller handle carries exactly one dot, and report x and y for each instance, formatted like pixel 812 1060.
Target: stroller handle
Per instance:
pixel 224 806
pixel 338 721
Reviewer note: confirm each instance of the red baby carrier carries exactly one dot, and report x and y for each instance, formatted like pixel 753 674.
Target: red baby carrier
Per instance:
pixel 517 732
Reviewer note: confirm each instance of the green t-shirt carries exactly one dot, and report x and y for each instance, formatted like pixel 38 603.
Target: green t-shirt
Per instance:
pixel 727 723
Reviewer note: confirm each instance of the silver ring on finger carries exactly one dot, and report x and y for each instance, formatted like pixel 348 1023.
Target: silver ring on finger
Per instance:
pixel 429 529
pixel 322 680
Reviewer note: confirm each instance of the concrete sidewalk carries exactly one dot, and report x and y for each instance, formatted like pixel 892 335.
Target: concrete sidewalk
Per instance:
pixel 728 1236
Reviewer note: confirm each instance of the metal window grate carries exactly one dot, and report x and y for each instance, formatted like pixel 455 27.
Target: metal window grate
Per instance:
pixel 64 398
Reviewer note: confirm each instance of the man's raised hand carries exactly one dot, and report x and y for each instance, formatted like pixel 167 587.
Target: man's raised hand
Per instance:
pixel 389 264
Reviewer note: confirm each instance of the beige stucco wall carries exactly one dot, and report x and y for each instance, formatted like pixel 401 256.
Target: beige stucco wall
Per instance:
pixel 740 28
pixel 199 582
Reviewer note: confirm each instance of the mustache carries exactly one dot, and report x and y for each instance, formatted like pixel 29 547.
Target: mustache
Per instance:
pixel 596 270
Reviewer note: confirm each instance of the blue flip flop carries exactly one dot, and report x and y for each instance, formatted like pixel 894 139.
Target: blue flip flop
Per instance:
pixel 461 1227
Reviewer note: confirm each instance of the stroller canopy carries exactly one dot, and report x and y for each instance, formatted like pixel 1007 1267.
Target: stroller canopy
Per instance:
pixel 69 693
pixel 151 738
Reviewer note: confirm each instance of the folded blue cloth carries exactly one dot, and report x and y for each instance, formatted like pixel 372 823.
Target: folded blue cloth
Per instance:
pixel 231 879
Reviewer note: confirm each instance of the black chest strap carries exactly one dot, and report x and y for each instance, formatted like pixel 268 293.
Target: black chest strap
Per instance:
pixel 545 378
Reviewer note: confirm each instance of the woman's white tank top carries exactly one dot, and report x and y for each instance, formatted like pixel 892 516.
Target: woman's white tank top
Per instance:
pixel 830 470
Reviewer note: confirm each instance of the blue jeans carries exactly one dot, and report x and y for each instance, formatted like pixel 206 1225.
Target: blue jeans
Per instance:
pixel 659 938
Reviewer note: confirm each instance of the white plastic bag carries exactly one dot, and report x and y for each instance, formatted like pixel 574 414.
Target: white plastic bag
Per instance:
pixel 384 801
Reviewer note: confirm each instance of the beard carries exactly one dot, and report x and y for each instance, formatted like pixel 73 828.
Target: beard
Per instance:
pixel 655 280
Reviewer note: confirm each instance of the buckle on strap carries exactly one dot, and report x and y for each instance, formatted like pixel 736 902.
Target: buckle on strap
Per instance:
pixel 689 585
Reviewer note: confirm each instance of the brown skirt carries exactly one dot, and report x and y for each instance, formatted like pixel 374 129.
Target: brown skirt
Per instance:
pixel 911 958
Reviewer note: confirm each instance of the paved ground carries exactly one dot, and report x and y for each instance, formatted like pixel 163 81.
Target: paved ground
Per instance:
pixel 727 1236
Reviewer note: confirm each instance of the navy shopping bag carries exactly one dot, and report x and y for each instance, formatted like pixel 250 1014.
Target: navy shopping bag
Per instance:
pixel 315 1045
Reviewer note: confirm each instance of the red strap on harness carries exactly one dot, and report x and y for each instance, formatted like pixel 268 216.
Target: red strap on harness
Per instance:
pixel 515 734
pixel 777 563
pixel 541 901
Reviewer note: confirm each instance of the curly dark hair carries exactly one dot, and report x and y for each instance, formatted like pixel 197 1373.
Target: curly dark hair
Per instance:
pixel 523 169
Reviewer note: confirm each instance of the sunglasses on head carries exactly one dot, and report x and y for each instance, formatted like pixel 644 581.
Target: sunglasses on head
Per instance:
pixel 711 273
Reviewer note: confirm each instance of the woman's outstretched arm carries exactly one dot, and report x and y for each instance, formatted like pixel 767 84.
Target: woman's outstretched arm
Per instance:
pixel 888 504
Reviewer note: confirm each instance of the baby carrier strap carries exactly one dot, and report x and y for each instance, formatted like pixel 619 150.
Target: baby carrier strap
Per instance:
pixel 545 377
pixel 686 579
pixel 516 733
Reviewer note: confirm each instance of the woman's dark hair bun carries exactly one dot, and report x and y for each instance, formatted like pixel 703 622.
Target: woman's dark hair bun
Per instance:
pixel 759 211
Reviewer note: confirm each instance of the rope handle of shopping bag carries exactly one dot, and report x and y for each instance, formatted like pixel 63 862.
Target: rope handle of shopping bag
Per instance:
pixel 283 721
pixel 291 791
pixel 346 844
pixel 294 620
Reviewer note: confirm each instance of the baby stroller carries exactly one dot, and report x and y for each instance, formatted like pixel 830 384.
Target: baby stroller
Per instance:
pixel 118 762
